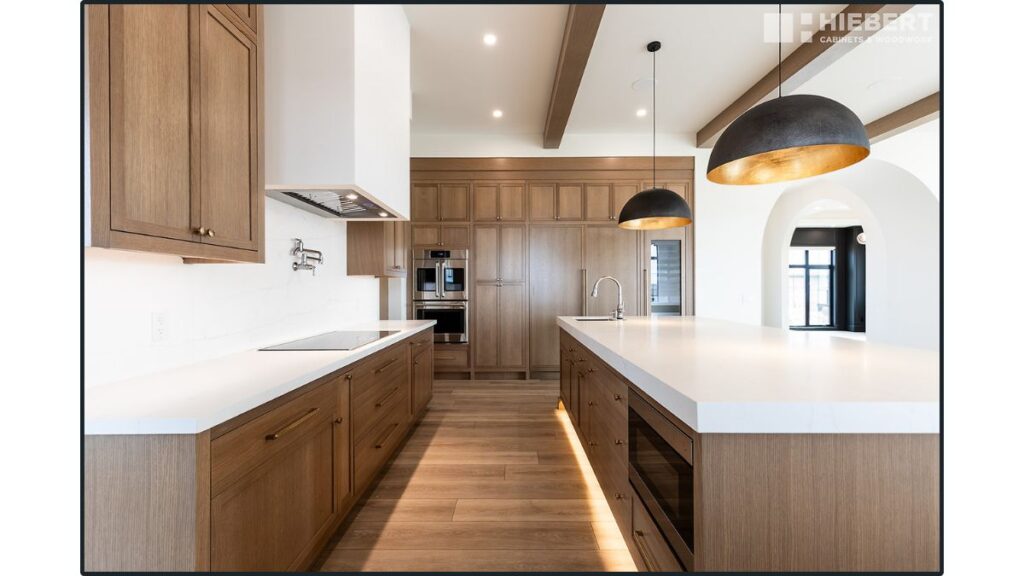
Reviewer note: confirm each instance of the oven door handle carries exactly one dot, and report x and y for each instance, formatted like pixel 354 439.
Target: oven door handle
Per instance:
pixel 441 281
pixel 437 279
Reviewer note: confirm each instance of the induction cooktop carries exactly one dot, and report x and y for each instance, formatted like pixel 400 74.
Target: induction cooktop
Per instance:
pixel 338 340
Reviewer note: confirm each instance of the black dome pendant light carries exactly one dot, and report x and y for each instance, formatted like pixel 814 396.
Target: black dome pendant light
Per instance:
pixel 788 138
pixel 655 208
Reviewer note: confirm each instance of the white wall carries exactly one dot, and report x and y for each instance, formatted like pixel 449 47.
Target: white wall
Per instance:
pixel 916 151
pixel 211 310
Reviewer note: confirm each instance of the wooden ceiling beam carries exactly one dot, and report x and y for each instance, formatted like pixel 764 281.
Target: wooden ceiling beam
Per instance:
pixel 826 46
pixel 910 116
pixel 581 26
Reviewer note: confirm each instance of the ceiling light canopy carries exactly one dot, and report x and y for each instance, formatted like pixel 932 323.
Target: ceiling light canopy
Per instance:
pixel 641 113
pixel 497 113
pixel 654 208
pixel 490 39
pixel 788 138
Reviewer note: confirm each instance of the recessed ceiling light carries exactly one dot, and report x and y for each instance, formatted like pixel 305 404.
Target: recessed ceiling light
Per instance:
pixel 497 113
pixel 490 39
pixel 383 214
pixel 351 196
pixel 641 113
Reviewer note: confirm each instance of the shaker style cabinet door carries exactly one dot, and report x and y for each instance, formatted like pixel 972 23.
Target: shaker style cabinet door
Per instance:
pixel 228 132
pixel 151 192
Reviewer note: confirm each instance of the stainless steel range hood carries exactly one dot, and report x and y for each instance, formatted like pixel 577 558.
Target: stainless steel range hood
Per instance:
pixel 341 202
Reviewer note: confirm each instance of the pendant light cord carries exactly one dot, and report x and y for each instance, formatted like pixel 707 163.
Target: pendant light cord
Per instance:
pixel 654 121
pixel 780 50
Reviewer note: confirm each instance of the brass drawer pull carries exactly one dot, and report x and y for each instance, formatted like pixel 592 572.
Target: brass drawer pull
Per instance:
pixel 645 555
pixel 295 423
pixel 385 366
pixel 415 343
pixel 620 496
pixel 380 443
pixel 380 403
pixel 445 357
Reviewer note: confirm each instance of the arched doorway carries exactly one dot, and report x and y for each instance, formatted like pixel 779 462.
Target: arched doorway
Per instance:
pixel 901 226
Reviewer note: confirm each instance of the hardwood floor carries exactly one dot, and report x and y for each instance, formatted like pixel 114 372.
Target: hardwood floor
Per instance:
pixel 493 479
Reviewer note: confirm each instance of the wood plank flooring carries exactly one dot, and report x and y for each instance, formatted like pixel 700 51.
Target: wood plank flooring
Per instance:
pixel 492 479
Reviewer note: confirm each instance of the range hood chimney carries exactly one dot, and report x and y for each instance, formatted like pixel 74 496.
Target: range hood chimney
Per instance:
pixel 338 105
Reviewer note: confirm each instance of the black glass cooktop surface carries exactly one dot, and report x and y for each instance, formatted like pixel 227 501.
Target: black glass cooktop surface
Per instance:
pixel 338 340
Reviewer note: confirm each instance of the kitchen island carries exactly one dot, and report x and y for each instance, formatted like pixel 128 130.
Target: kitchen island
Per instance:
pixel 247 462
pixel 724 446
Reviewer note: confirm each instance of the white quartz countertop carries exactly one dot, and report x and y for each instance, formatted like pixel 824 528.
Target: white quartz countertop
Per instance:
pixel 194 398
pixel 723 377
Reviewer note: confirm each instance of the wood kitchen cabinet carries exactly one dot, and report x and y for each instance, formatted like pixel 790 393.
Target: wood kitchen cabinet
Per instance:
pixel 611 251
pixel 556 201
pixel 437 235
pixel 499 201
pixel 556 288
pixel 175 130
pixel 499 264
pixel 376 249
pixel 421 352
pixel 264 490
pixel 604 201
pixel 447 202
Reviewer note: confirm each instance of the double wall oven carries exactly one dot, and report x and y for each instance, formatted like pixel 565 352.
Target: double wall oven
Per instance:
pixel 441 292
pixel 661 472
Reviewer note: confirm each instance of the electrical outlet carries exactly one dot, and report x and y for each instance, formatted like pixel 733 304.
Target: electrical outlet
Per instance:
pixel 158 327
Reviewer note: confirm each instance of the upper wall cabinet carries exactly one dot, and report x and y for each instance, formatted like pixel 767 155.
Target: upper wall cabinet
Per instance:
pixel 499 201
pixel 175 147
pixel 448 202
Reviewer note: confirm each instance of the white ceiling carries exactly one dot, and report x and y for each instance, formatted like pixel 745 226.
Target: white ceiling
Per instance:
pixel 457 81
pixel 895 67
pixel 710 55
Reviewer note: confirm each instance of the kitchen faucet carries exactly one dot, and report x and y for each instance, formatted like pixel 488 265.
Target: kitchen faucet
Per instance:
pixel 617 314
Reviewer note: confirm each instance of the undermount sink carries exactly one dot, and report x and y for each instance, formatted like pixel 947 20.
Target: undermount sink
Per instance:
pixel 595 319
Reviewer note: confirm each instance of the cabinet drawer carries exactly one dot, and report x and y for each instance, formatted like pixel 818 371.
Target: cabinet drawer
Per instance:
pixel 654 553
pixel 451 358
pixel 390 394
pixel 421 339
pixel 243 448
pixel 366 378
pixel 377 444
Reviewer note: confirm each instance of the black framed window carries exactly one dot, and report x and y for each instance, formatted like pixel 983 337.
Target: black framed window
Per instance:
pixel 811 282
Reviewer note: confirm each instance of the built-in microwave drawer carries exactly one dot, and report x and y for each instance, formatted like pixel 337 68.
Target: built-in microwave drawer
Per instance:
pixel 655 555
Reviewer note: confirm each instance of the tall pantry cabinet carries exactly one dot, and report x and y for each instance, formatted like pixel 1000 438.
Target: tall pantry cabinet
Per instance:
pixel 175 146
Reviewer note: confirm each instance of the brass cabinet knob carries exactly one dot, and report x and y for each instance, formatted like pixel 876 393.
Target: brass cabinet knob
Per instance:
pixel 620 496
pixel 339 420
pixel 499 217
pixel 618 397
pixel 593 443
pixel 591 369
pixel 348 376
pixel 590 403
pixel 201 231
pixel 618 442
pixel 210 232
